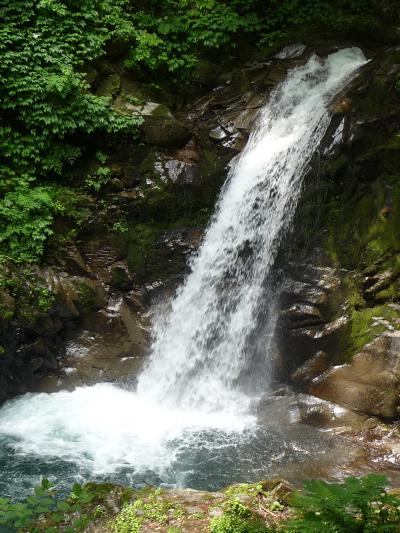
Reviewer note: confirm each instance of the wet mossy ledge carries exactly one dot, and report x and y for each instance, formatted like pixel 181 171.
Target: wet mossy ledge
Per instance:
pixel 363 204
pixel 270 506
pixel 339 325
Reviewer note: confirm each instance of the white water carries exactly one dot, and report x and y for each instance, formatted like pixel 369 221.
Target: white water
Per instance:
pixel 203 346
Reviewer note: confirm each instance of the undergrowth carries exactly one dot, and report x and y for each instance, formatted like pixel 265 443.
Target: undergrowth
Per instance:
pixel 358 505
pixel 237 518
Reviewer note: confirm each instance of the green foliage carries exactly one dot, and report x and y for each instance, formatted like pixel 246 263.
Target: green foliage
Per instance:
pixel 21 515
pixel 49 512
pixel 171 35
pixel 100 179
pixel 102 174
pixel 249 489
pixel 44 503
pixel 152 507
pixel 46 109
pixel 26 219
pixel 238 519
pixel 30 296
pixel 357 505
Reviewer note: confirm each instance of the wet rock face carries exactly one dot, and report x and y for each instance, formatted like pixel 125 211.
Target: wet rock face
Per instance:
pixel 312 368
pixel 311 320
pixel 62 329
pixel 180 168
pixel 108 345
pixel 359 168
pixel 370 384
pixel 226 116
pixel 356 442
pixel 350 207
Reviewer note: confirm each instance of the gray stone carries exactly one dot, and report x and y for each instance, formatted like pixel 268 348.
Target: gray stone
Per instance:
pixel 292 51
pixel 218 133
pixel 302 315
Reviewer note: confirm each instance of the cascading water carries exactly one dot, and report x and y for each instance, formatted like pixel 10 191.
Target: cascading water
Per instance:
pixel 189 405
pixel 201 348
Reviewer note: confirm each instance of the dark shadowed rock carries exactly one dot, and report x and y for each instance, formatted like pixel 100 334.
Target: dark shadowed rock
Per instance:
pixel 312 368
pixel 302 315
pixel 311 318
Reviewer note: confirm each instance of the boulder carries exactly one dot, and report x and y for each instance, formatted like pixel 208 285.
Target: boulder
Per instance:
pixel 108 345
pixel 313 367
pixel 379 281
pixel 370 384
pixel 302 315
pixel 76 296
pixel 159 127
pixel 179 172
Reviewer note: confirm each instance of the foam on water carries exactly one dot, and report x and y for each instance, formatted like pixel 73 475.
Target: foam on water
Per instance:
pixel 205 344
pixel 105 427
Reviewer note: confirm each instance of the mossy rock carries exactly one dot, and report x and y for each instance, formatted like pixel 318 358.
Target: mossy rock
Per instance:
pixel 77 296
pixel 164 131
pixel 131 90
pixel 120 278
pixel 365 226
pixel 110 86
pixel 137 244
pixel 159 126
pixel 7 307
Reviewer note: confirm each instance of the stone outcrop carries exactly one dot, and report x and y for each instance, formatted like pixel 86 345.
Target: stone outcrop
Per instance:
pixel 311 321
pixel 159 126
pixel 370 384
pixel 349 210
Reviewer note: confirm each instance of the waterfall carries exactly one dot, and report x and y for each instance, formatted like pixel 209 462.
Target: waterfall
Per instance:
pixel 190 413
pixel 203 344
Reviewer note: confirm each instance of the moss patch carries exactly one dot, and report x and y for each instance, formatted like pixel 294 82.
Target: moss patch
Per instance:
pixel 139 241
pixel 362 329
pixel 363 228
pixel 151 508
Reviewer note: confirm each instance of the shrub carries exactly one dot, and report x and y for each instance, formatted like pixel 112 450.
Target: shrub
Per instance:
pixel 359 505
pixel 237 518
pixel 46 109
